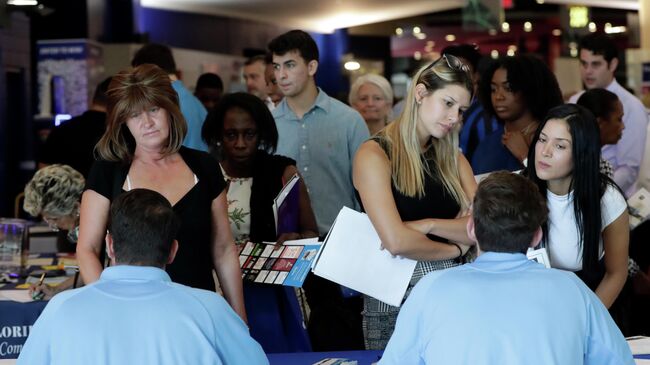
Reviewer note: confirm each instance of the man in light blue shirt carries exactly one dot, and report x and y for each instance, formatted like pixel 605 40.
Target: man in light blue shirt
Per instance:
pixel 503 308
pixel 598 62
pixel 134 314
pixel 322 135
pixel 192 109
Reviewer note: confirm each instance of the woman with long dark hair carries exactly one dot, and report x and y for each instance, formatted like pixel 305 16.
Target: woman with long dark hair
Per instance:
pixel 587 231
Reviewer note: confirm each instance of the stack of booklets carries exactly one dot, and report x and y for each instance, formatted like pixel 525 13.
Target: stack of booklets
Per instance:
pixel 351 255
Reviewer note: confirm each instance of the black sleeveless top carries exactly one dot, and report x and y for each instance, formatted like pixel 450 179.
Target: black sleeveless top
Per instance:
pixel 193 263
pixel 437 202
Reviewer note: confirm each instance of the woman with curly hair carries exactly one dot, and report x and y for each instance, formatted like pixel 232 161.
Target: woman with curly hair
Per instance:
pixel 54 193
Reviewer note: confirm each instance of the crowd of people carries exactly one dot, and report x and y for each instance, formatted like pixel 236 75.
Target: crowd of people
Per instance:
pixel 179 181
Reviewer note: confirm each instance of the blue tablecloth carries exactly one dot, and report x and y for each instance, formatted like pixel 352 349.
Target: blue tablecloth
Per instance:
pixel 308 358
pixel 16 320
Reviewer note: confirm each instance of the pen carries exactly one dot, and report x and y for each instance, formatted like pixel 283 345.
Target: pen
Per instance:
pixel 40 294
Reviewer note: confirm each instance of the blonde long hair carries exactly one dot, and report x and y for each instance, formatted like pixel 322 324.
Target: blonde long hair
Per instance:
pixel 406 160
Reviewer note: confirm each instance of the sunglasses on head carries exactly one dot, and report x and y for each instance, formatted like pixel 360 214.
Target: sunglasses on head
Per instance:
pixel 453 63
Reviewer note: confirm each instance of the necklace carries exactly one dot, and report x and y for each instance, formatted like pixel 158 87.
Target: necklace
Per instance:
pixel 530 128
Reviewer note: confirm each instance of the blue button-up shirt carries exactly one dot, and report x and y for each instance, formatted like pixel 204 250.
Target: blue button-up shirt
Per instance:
pixel 194 113
pixel 323 143
pixel 137 315
pixel 504 309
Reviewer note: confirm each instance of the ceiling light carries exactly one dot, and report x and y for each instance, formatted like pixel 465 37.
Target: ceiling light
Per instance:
pixel 540 2
pixel 528 27
pixel 592 27
pixel 574 52
pixel 416 30
pixel 557 32
pixel 614 30
pixel 511 52
pixel 494 54
pixel 420 36
pixel 352 65
pixel 399 31
pixel 450 37
pixel 417 55
pixel 505 27
pixel 22 2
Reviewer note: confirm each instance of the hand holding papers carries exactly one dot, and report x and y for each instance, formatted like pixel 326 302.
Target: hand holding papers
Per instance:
pixel 352 256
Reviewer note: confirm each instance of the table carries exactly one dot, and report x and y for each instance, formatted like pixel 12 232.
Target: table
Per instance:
pixel 17 317
pixel 16 320
pixel 308 358
pixel 363 357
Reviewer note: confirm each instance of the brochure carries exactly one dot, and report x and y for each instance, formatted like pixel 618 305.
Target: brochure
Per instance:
pixel 287 264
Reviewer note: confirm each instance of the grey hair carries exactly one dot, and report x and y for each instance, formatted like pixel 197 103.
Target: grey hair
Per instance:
pixel 54 190
pixel 373 79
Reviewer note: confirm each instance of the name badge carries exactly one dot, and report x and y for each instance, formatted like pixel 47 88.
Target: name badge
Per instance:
pixel 540 255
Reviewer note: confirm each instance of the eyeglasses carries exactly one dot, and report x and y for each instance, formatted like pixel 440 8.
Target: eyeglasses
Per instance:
pixel 453 63
pixel 52 222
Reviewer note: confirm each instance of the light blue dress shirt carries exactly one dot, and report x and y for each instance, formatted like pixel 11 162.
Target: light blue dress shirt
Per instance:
pixel 626 155
pixel 323 143
pixel 137 315
pixel 504 309
pixel 194 113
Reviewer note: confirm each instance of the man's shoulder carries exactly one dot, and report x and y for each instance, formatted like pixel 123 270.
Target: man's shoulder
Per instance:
pixel 62 300
pixel 339 108
pixel 206 298
pixel 574 98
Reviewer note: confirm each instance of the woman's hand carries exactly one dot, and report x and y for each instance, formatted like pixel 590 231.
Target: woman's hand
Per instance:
pixel 516 143
pixel 288 237
pixel 41 292
pixel 423 226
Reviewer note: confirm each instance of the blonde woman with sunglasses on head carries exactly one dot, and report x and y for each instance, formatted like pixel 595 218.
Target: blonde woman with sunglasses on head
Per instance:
pixel 415 184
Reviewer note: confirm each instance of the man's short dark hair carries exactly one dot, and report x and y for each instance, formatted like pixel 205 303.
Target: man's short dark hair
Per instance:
pixel 599 44
pixel 99 97
pixel 256 58
pixel 295 40
pixel 209 80
pixel 468 52
pixel 143 226
pixel 157 54
pixel 508 209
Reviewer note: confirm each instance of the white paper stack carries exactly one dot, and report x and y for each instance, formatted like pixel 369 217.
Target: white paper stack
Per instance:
pixel 352 256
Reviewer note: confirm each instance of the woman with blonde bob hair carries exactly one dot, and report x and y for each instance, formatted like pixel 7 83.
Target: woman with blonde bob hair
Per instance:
pixel 372 96
pixel 141 148
pixel 415 184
